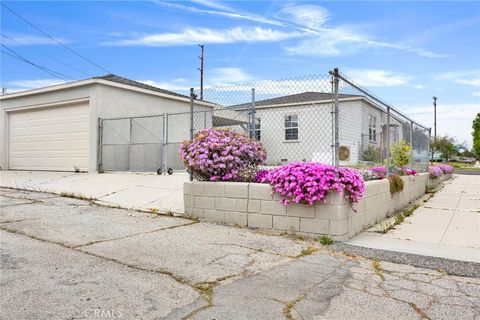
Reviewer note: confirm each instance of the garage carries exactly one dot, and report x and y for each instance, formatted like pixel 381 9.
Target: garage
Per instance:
pixel 49 138
pixel 59 128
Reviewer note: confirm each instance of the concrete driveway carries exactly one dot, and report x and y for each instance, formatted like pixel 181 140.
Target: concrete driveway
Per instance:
pixel 64 258
pixel 128 190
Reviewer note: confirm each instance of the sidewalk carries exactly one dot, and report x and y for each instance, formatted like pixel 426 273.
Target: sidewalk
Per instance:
pixel 446 226
pixel 127 190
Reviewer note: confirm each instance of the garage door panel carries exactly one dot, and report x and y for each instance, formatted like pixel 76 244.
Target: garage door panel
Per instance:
pixel 54 138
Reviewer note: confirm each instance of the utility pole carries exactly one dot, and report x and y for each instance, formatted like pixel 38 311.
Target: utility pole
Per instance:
pixel 202 47
pixel 434 119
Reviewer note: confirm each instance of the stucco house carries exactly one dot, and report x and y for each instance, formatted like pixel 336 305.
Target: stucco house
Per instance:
pixel 57 128
pixel 298 127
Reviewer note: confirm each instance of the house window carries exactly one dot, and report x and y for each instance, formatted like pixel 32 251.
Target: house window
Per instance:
pixel 372 128
pixel 291 127
pixel 258 128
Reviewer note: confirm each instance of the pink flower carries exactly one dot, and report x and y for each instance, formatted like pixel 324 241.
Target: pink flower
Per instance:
pixel 219 154
pixel 310 182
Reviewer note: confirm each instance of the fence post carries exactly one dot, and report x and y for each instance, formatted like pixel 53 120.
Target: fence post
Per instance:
pixel 252 125
pixel 192 96
pixel 165 141
pixel 387 145
pixel 411 142
pixel 336 116
pixel 130 146
pixel 100 146
pixel 428 148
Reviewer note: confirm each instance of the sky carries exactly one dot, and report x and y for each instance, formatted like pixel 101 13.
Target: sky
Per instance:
pixel 405 52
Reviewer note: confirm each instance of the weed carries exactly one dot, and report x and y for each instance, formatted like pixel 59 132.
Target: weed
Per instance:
pixel 378 268
pixel 170 213
pixel 76 169
pixel 325 240
pixel 75 196
pixel 153 210
pixel 305 252
pixel 399 218
pixel 387 227
pixel 409 211
pixel 396 183
pixel 299 237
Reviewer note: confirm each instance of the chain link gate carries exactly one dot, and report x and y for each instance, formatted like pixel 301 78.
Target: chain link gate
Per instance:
pixel 133 144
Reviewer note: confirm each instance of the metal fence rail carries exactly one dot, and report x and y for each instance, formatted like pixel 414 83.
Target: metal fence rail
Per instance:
pixel 321 118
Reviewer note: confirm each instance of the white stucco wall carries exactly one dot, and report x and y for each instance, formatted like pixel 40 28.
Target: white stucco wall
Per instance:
pixel 105 102
pixel 314 133
pixel 33 101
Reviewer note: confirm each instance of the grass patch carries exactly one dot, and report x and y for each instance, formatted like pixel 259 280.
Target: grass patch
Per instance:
pixel 325 240
pixel 399 218
pixel 305 252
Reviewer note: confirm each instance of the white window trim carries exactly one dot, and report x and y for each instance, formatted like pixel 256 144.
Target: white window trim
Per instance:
pixel 285 128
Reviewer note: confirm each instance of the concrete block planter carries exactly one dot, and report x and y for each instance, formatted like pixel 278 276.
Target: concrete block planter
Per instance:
pixel 253 205
pixel 433 183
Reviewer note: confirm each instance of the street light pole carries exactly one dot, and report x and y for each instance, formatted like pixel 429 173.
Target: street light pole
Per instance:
pixel 434 119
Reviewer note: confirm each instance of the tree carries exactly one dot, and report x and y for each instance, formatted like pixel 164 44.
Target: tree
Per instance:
pixel 443 144
pixel 476 135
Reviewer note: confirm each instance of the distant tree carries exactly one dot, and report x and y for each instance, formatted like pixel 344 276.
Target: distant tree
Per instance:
pixel 443 144
pixel 476 136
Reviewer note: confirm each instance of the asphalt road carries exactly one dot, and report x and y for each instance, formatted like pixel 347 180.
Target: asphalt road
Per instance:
pixel 65 258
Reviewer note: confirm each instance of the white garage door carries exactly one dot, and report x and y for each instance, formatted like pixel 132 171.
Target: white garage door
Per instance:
pixel 53 138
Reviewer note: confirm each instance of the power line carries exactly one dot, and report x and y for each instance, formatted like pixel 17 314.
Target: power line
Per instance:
pixel 21 58
pixel 57 41
pixel 46 55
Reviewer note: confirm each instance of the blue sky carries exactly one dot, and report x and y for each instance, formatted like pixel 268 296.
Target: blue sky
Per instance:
pixel 405 52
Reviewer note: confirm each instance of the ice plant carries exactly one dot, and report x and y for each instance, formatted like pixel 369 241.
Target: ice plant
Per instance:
pixel 221 155
pixel 379 172
pixel 310 182
pixel 445 168
pixel 409 172
pixel 435 172
pixel 261 176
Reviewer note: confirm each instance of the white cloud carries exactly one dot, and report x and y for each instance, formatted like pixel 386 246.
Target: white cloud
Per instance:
pixel 378 78
pixel 22 85
pixel 452 119
pixel 310 16
pixel 226 76
pixel 204 35
pixel 224 11
pixel 25 39
pixel 476 93
pixel 327 41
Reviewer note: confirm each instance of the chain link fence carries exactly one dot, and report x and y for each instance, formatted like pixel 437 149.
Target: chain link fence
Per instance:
pixel 380 125
pixel 321 118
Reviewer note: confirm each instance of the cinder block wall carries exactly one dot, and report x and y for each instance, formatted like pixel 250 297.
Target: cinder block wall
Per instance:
pixel 254 205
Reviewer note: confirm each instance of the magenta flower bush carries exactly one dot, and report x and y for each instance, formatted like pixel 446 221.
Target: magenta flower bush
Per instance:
pixel 445 168
pixel 310 182
pixel 261 176
pixel 379 172
pixel 435 172
pixel 409 172
pixel 221 155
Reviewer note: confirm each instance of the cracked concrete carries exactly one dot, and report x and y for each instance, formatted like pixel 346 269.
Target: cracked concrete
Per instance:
pixel 65 258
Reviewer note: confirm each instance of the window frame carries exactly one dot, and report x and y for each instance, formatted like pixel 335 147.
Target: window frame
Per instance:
pixel 291 127
pixel 372 128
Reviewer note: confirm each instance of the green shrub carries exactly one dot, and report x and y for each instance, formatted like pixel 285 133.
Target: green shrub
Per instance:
pixel 371 153
pixel 400 154
pixel 396 183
